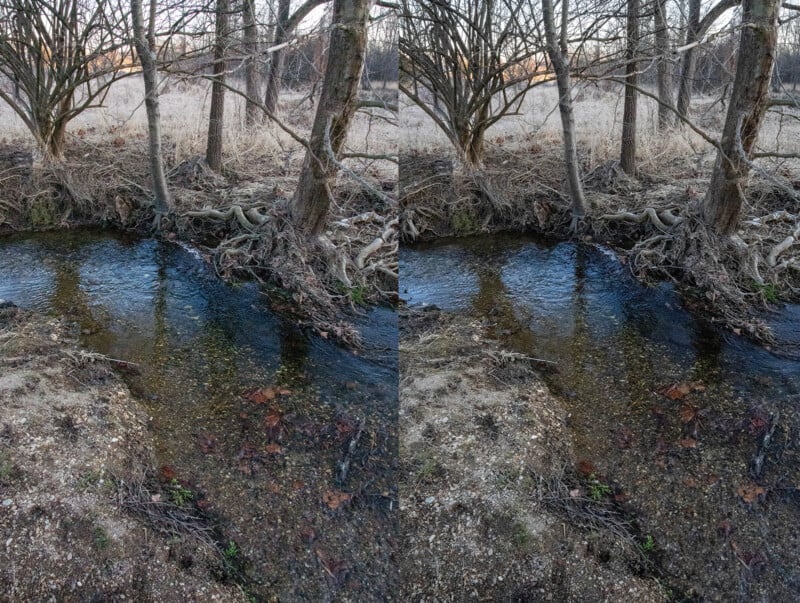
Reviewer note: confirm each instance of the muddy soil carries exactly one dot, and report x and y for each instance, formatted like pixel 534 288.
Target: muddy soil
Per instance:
pixel 491 506
pixel 74 448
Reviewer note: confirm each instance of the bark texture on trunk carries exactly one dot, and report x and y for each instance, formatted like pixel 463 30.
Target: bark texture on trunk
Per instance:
pixel 338 102
pixel 217 112
pixel 749 101
pixel 250 44
pixel 145 48
pixel 628 152
pixel 666 116
pixel 557 51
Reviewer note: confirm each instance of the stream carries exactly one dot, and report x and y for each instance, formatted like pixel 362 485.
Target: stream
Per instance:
pixel 696 431
pixel 265 464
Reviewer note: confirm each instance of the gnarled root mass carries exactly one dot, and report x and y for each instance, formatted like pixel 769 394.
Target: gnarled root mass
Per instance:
pixel 734 275
pixel 354 262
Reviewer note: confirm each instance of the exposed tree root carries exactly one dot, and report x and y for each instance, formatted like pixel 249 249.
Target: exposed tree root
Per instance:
pixel 355 261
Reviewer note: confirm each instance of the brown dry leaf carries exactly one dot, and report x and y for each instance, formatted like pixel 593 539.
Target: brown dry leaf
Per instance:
pixel 586 468
pixel 260 395
pixel 273 448
pixel 335 498
pixel 688 443
pixel 167 473
pixel 688 413
pixel 677 391
pixel 272 420
pixel 750 492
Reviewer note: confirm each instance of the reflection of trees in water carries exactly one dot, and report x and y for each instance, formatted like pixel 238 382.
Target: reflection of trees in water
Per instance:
pixel 68 298
pixel 294 355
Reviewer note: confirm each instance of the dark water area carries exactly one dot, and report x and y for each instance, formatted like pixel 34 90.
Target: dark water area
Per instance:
pixel 268 469
pixel 673 413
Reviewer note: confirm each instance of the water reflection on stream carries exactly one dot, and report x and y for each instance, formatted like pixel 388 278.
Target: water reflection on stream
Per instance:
pixel 268 469
pixel 679 463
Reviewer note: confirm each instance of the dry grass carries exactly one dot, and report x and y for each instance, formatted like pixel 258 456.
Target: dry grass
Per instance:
pixel 184 113
pixel 598 117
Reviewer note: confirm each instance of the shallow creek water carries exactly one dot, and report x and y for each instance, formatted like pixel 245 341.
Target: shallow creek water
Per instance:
pixel 268 469
pixel 668 411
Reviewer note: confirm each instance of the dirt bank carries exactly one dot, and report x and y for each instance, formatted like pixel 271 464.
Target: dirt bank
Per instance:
pixel 492 506
pixel 76 482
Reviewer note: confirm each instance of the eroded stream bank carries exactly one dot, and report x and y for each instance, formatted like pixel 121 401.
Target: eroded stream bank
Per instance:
pixel 688 431
pixel 250 416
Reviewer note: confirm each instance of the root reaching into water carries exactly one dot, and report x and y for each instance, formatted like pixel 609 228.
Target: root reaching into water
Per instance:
pixel 354 262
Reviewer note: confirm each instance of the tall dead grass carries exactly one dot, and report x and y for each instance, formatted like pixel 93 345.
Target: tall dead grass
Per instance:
pixel 598 119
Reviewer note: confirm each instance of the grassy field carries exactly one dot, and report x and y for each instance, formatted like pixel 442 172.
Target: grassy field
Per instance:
pixel 184 113
pixel 598 117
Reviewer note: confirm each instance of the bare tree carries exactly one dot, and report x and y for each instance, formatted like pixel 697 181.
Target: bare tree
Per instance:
pixel 61 58
pixel 628 153
pixel 337 104
pixel 468 64
pixel 250 47
pixel 217 112
pixel 695 32
pixel 749 101
pixel 666 113
pixel 145 42
pixel 557 50
pixel 285 26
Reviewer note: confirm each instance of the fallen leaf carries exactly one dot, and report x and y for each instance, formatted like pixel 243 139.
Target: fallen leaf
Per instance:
pixel 724 527
pixel 335 498
pixel 688 413
pixel 351 385
pixel 586 468
pixel 688 443
pixel 750 492
pixel 167 473
pixel 676 391
pixel 274 488
pixel 272 420
pixel 273 449
pixel 261 395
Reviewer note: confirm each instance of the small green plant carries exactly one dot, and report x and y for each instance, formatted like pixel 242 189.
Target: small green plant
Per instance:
pixel 178 494
pixel 649 544
pixel 358 295
pixel 6 466
pixel 231 552
pixel 101 538
pixel 768 290
pixel 597 489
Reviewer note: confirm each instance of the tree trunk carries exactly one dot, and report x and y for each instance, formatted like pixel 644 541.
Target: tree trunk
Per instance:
pixel 250 35
pixel 695 33
pixel 217 112
pixel 687 65
pixel 628 155
pixel 337 104
pixel 666 116
pixel 276 61
pixel 748 104
pixel 557 51
pixel 145 48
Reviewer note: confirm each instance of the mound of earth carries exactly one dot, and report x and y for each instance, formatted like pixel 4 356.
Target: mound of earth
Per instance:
pixel 72 443
pixel 491 508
